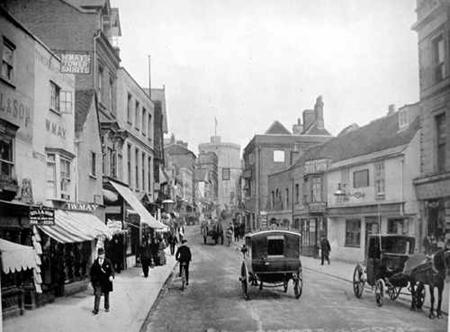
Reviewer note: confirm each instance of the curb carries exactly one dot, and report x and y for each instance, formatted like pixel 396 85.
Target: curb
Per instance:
pixel 157 299
pixel 366 287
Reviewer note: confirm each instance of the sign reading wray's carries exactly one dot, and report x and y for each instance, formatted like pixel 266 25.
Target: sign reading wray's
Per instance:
pixel 76 63
pixel 42 216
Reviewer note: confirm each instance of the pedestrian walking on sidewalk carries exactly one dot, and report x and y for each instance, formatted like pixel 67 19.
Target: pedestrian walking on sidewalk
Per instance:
pixel 325 249
pixel 102 275
pixel 229 234
pixel 172 242
pixel 146 257
pixel 183 255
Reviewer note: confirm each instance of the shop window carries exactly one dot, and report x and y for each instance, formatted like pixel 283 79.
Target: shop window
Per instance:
pixel 55 94
pixel 361 178
pixel 396 226
pixel 353 233
pixel 6 156
pixel 278 156
pixel 8 53
pixel 441 133
pixel 225 174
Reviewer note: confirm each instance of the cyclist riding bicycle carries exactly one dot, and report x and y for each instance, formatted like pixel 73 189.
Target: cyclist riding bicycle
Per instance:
pixel 184 256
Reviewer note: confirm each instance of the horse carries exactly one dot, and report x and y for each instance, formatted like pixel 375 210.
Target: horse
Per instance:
pixel 429 271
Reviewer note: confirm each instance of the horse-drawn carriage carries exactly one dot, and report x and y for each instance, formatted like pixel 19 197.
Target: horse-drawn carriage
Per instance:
pixel 271 258
pixel 384 269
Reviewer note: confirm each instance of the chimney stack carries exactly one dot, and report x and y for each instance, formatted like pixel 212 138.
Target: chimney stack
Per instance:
pixel 391 109
pixel 318 113
pixel 297 128
pixel 308 118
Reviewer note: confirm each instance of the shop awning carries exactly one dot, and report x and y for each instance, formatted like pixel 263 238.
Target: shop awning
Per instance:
pixel 17 257
pixel 133 201
pixel 73 227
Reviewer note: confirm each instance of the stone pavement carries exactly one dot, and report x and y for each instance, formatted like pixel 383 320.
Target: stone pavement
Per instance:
pixel 131 300
pixel 344 270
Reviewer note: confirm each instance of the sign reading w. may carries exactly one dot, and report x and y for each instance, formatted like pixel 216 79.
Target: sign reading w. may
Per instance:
pixel 75 63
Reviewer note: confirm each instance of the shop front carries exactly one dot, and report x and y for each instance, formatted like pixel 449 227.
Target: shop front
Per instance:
pixel 68 250
pixel 123 205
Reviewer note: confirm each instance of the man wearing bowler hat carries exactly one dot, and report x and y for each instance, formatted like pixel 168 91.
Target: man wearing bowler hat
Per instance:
pixel 102 275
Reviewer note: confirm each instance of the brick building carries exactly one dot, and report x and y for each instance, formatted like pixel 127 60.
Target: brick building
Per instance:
pixel 433 184
pixel 273 151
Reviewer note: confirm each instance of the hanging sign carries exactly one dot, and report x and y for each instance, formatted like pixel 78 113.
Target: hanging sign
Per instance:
pixel 76 63
pixel 42 216
pixel 78 206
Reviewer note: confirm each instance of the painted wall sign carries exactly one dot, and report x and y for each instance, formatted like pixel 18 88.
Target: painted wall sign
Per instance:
pixel 75 206
pixel 76 63
pixel 42 216
pixel 55 128
pixel 17 110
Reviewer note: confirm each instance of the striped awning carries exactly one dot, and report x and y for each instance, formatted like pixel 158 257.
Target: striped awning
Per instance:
pixel 17 257
pixel 133 201
pixel 71 226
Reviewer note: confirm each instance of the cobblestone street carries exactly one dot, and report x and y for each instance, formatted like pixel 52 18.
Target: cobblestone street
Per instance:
pixel 213 301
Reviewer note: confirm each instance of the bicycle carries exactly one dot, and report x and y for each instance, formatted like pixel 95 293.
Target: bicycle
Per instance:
pixel 183 275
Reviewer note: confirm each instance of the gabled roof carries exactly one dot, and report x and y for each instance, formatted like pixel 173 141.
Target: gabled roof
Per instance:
pixel 83 102
pixel 378 135
pixel 314 130
pixel 276 128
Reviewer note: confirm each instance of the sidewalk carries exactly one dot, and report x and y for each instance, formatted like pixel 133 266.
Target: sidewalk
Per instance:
pixel 131 300
pixel 344 271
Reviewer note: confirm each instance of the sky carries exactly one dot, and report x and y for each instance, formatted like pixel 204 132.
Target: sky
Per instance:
pixel 249 63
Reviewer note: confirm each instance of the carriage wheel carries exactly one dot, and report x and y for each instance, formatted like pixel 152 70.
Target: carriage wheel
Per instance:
pixel 244 281
pixel 393 292
pixel 298 286
pixel 379 292
pixel 420 295
pixel 358 281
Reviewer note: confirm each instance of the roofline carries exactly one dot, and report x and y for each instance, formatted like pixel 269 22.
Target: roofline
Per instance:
pixel 17 23
pixel 137 84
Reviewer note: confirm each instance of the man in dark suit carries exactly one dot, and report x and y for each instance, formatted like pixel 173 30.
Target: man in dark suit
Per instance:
pixel 102 275
pixel 183 255
pixel 325 248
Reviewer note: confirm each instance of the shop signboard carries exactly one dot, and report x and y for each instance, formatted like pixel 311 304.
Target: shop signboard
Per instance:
pixel 42 216
pixel 76 63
